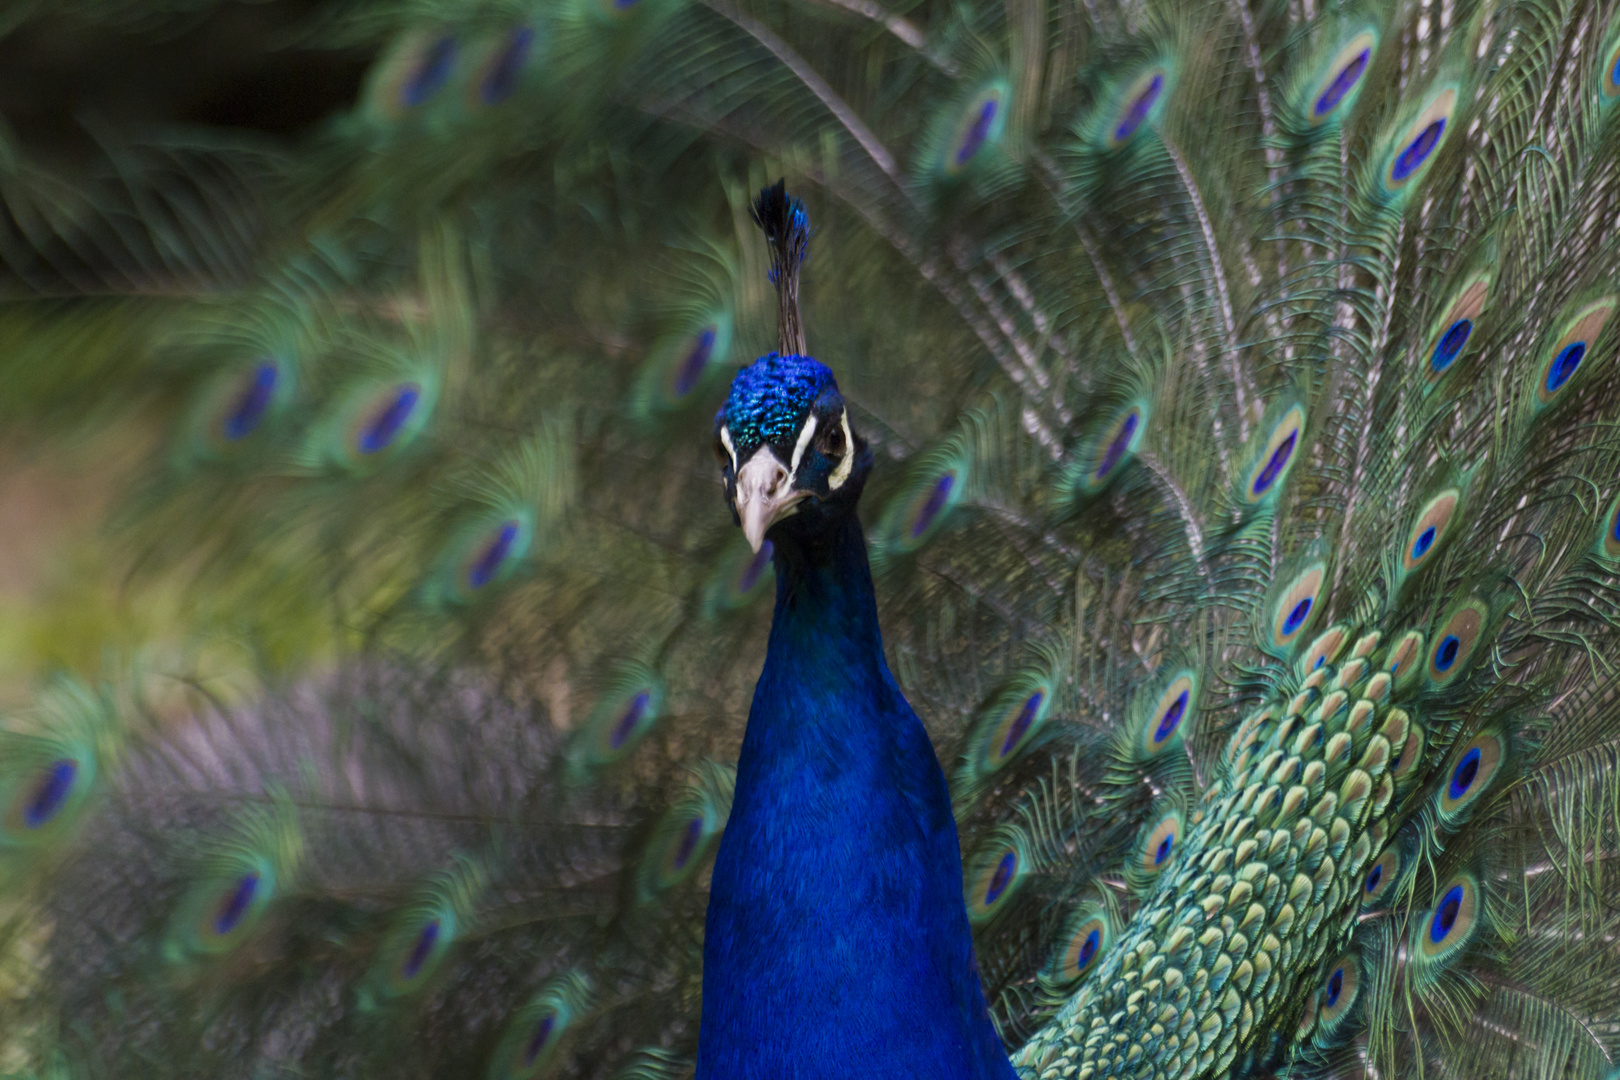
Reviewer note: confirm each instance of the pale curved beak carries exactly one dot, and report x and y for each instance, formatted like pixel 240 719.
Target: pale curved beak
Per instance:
pixel 765 495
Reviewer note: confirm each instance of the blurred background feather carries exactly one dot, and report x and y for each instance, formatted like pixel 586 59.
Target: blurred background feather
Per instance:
pixel 375 646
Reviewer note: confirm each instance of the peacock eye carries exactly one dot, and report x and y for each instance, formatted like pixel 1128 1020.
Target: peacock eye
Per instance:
pixel 720 454
pixel 831 442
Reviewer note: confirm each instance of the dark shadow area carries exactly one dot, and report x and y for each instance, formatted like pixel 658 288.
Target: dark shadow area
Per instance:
pixel 247 67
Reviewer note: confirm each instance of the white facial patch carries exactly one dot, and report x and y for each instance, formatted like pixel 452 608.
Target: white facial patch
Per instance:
pixel 847 462
pixel 725 440
pixel 806 433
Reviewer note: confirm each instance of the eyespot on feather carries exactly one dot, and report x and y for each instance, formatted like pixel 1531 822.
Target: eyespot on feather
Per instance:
pixel 221 911
pixel 1000 870
pixel 1339 993
pixel 682 365
pixel 1103 456
pixel 1086 937
pixel 920 510
pixel 1010 720
pixel 1156 848
pixel 1295 607
pixel 685 834
pixel 412 74
pixel 534 1037
pixel 1443 931
pixel 1608 73
pixel 1455 642
pixel 1276 457
pixel 486 552
pixel 1469 774
pixel 1608 545
pixel 741 577
pixel 1172 711
pixel 1571 352
pixel 1340 83
pixel 980 122
pixel 1429 532
pixel 235 410
pixel 373 423
pixel 1380 878
pixel 43 787
pixel 507 60
pixel 631 707
pixel 409 953
pixel 1451 333
pixel 42 797
pixel 1136 106
pixel 1415 147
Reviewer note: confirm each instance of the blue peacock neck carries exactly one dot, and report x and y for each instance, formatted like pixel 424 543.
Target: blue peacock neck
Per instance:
pixel 826 608
pixel 837 942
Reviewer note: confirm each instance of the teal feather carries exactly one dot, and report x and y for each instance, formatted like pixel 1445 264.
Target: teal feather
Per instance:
pixel 1239 385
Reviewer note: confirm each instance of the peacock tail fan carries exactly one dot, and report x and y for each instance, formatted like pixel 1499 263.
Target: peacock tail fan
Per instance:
pixel 1240 384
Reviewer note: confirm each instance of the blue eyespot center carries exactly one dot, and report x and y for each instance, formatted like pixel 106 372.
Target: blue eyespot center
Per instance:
pixel 978 131
pixel 1138 109
pixel 50 792
pixel 1162 852
pixel 1564 365
pixel 1172 718
pixel 691 369
pixel 1001 878
pixel 502 78
pixel 236 903
pixel 1462 777
pixel 1374 878
pixel 689 841
pixel 252 402
pixel 1424 541
pixel 426 938
pixel 1335 987
pixel 1445 916
pixel 756 567
pixel 1418 150
pixel 1118 445
pixel 1446 654
pixel 386 425
pixel 1088 948
pixel 1451 344
pixel 1296 617
pixel 629 719
pixel 1342 84
pixel 935 503
pixel 538 1041
pixel 489 561
pixel 1021 723
pixel 1276 464
pixel 431 74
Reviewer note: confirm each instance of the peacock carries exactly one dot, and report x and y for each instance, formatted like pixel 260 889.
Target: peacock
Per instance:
pixel 1179 440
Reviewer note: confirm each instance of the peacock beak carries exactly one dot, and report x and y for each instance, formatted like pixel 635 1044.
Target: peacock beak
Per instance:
pixel 765 494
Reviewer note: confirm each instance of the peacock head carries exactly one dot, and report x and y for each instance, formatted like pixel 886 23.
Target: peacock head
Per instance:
pixel 786 450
